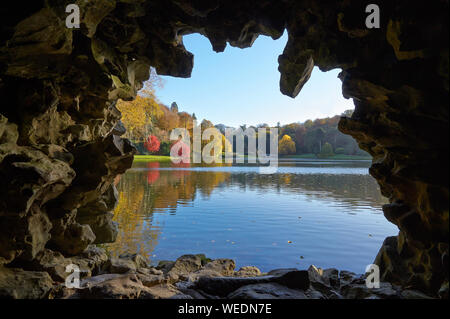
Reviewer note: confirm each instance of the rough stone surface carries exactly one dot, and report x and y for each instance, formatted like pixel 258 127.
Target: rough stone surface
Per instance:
pixel 124 286
pixel 54 263
pixel 120 266
pixel 248 271
pixel 20 284
pixel 137 259
pixel 266 291
pixel 222 286
pixel 130 277
pixel 360 291
pixel 92 261
pixel 60 144
pixel 224 267
pixel 118 287
pixel 184 265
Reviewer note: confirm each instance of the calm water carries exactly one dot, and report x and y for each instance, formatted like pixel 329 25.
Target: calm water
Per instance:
pixel 326 213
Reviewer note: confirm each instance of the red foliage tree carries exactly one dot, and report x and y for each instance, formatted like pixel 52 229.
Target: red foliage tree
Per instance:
pixel 152 144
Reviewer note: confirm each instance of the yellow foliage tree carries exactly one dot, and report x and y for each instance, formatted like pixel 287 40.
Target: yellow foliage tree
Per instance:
pixel 286 145
pixel 138 115
pixel 227 147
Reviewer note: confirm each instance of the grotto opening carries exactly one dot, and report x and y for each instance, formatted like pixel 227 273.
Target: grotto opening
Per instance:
pixel 61 144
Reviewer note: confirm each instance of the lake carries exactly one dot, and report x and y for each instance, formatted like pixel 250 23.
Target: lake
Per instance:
pixel 321 212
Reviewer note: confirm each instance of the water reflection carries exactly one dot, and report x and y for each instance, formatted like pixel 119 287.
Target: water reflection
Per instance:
pixel 232 211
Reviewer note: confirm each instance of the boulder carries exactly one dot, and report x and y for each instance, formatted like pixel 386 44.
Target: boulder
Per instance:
pixel 139 260
pixel 266 291
pixel 102 225
pixel 360 291
pixel 247 271
pixel 185 265
pixel 165 265
pixel 328 277
pixel 74 239
pixel 165 291
pixel 98 215
pixel 215 268
pixel 224 267
pixel 120 266
pixel 54 263
pixel 222 286
pixel 150 271
pixel 20 284
pixel 280 271
pixel 114 287
pixel 152 280
pixel 126 286
pixel 347 277
pixel 92 260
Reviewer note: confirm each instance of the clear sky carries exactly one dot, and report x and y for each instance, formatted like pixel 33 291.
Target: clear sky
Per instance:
pixel 241 86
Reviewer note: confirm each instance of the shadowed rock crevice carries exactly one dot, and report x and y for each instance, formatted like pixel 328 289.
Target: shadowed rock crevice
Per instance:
pixel 60 150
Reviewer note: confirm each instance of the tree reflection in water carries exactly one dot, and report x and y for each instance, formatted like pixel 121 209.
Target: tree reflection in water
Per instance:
pixel 155 187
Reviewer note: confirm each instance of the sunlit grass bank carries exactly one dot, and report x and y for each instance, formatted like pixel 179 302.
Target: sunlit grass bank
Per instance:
pixel 151 158
pixel 161 158
pixel 333 157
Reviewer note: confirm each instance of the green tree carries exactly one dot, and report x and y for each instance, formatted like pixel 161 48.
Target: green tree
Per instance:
pixel 327 150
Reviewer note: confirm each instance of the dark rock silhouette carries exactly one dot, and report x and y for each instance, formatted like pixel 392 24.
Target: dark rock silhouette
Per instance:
pixel 60 148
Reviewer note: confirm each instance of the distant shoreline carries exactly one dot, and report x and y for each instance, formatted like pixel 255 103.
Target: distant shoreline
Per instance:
pixel 332 157
pixel 151 158
pixel 165 158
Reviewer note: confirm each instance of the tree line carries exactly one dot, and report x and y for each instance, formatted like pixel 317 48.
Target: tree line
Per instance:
pixel 149 123
pixel 320 137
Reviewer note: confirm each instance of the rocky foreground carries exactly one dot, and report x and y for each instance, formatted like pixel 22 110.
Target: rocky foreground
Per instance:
pixel 189 277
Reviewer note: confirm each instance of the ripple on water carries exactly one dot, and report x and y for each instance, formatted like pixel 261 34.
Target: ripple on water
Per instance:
pixel 326 213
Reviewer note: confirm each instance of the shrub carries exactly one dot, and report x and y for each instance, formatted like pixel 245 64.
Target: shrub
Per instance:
pixel 164 148
pixel 152 144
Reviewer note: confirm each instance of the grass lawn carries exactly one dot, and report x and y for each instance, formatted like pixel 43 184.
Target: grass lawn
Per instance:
pixel 151 158
pixel 162 158
pixel 334 157
pixel 350 157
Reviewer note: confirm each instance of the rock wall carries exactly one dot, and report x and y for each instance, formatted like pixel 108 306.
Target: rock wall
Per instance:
pixel 60 144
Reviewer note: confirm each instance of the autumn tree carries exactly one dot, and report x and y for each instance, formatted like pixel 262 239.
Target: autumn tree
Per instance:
pixel 185 120
pixel 139 115
pixel 168 120
pixel 206 124
pixel 152 144
pixel 286 145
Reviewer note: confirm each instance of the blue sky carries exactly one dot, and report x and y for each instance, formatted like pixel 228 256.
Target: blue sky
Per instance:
pixel 241 86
